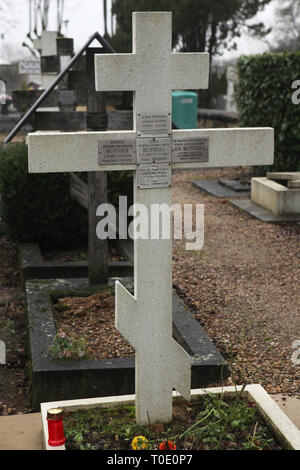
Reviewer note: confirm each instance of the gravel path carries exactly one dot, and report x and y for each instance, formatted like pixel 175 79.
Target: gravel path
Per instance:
pixel 243 286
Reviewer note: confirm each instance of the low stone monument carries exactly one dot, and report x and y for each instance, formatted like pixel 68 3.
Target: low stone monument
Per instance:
pixel 151 150
pixel 278 192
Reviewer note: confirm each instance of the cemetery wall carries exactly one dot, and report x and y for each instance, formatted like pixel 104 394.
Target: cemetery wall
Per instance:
pixel 264 98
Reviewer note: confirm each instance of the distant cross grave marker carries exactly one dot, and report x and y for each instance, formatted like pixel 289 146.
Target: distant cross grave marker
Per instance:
pixel 2 352
pixel 152 149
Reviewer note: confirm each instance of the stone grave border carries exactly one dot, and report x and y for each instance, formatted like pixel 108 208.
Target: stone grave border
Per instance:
pixel 262 214
pixel 242 201
pixel 33 267
pixel 58 379
pixel 217 189
pixel 286 431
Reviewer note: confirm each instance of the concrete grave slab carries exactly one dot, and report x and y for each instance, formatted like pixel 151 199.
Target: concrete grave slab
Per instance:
pixel 283 176
pixel 290 406
pixel 294 184
pixel 261 213
pixel 216 188
pixel 21 432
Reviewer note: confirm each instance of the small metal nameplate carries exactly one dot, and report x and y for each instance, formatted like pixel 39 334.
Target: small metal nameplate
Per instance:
pixel 190 149
pixel 154 176
pixel 67 97
pixel 154 150
pixel 153 124
pixel 114 152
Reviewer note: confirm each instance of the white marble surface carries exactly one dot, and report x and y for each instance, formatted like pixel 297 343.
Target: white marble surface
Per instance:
pixel 51 152
pixel 46 43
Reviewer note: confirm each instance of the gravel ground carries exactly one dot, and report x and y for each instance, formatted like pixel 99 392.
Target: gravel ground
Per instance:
pixel 92 318
pixel 243 286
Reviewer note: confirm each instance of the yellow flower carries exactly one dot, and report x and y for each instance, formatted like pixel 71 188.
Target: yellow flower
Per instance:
pixel 139 443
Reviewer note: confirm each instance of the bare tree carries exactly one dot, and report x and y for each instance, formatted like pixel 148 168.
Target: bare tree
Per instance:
pixel 286 30
pixel 7 17
pixel 105 16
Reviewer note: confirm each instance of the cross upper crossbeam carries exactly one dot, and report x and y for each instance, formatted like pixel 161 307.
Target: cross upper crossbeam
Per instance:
pixel 79 151
pixel 46 44
pixel 152 71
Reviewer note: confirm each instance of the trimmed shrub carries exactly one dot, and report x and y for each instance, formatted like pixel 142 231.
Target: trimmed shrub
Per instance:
pixel 38 207
pixel 264 98
pixel 120 183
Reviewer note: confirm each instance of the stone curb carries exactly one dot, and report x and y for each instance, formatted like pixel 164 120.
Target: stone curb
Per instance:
pixel 276 419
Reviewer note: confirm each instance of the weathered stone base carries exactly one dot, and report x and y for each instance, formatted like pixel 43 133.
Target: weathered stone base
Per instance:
pixel 32 266
pixel 63 380
pixel 263 214
pixel 219 189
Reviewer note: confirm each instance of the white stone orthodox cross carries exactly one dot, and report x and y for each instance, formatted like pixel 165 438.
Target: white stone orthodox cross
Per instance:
pixel 46 45
pixel 152 149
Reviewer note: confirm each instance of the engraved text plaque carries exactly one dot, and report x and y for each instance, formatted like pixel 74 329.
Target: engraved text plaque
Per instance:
pixel 154 124
pixel 154 150
pixel 114 152
pixel 190 149
pixel 154 176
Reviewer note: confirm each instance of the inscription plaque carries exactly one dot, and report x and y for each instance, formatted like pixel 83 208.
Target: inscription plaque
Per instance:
pixel 67 97
pixel 114 152
pixel 153 124
pixel 32 67
pixel 190 149
pixel 154 150
pixel 154 176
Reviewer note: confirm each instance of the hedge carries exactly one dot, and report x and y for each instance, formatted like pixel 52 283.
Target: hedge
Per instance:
pixel 264 99
pixel 38 207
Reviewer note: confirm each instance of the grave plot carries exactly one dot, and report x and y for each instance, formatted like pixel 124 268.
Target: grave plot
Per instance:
pixel 274 198
pixel 63 379
pixel 144 319
pixel 37 265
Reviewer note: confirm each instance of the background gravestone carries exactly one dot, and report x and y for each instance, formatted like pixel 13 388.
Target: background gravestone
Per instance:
pixel 76 86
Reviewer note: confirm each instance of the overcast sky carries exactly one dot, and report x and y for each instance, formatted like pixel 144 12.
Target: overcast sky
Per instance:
pixel 85 17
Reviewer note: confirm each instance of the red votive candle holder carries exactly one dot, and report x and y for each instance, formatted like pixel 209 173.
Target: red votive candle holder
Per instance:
pixel 55 427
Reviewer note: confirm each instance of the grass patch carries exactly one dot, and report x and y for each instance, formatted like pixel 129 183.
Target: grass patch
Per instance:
pixel 208 424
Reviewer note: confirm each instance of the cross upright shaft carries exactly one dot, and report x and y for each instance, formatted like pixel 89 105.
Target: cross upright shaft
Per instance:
pixel 152 71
